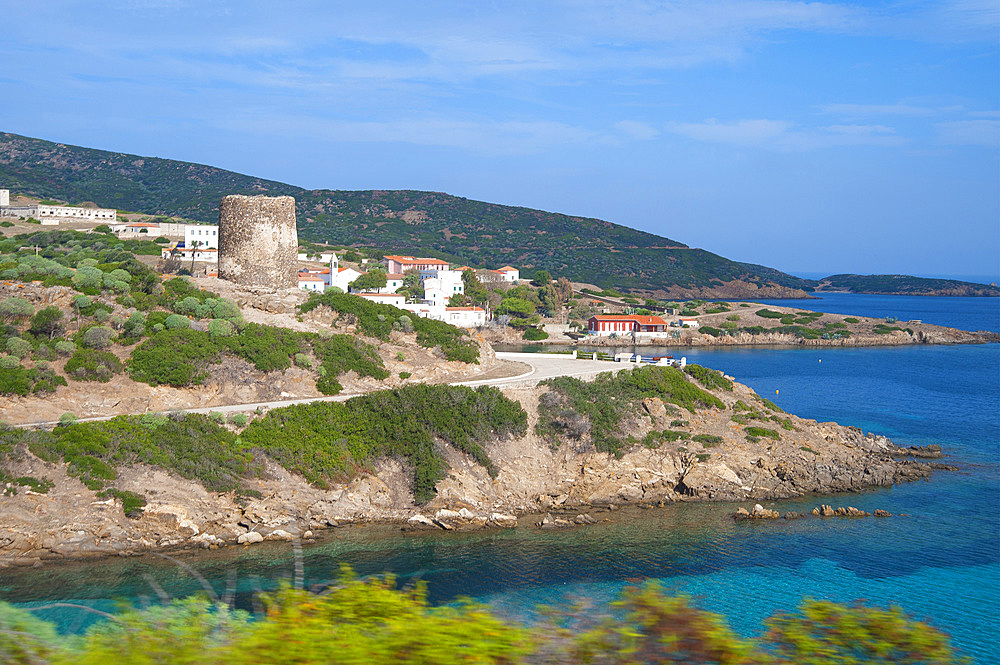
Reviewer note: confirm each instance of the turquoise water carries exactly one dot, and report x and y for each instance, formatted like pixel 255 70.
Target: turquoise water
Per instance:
pixel 941 561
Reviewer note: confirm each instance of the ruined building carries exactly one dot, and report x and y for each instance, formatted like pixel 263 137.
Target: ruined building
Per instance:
pixel 258 241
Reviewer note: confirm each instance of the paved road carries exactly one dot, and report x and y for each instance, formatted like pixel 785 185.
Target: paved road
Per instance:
pixel 543 366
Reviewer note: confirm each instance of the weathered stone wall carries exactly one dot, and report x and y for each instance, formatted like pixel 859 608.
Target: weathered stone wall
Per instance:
pixel 258 241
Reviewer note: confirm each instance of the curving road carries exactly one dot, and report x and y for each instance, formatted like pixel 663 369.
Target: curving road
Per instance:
pixel 542 366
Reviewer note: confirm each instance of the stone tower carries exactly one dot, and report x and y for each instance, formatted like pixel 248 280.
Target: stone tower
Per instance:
pixel 258 241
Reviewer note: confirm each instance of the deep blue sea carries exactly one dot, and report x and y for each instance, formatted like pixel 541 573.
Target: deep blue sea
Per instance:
pixel 940 561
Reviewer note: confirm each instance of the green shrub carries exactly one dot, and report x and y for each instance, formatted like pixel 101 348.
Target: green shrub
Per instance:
pixel 573 407
pixel 678 423
pixel 13 308
pixel 340 354
pixel 174 357
pixel 769 314
pixel 405 375
pixel 709 330
pixel 132 503
pixel 238 419
pixel 763 432
pixel 703 457
pixel 707 440
pixel 93 365
pixel 325 441
pixel 217 417
pixel 302 360
pixel 9 362
pixel 17 347
pixel 534 334
pixel 710 378
pixel 851 319
pixel 374 319
pixel 176 322
pixel 221 328
pixel 733 317
pixel 97 337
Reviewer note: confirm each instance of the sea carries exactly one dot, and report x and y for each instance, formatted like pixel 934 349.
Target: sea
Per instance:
pixel 938 559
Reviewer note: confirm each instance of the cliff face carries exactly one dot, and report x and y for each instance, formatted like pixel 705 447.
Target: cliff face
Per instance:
pixel 797 457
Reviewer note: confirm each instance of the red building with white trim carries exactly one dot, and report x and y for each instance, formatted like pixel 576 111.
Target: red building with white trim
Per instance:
pixel 607 324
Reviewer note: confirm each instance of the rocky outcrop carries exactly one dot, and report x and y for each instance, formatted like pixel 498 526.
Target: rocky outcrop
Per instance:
pixel 564 484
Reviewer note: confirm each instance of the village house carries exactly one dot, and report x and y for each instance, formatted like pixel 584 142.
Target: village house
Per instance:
pixel 311 281
pixel 394 299
pixel 626 324
pixel 203 254
pixel 51 214
pixel 465 317
pixel 134 229
pixel 399 264
pixel 393 282
pixel 441 285
pixel 688 322
pixel 508 274
pixel 205 235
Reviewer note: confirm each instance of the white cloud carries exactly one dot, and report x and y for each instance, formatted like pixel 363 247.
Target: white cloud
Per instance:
pixel 637 130
pixel 856 110
pixel 970 132
pixel 740 132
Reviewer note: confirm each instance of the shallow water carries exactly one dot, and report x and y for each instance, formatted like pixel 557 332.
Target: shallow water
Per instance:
pixel 941 561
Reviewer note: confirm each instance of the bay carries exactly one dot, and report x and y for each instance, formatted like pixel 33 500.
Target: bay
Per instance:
pixel 939 561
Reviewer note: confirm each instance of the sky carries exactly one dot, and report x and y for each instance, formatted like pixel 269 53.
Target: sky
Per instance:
pixel 818 137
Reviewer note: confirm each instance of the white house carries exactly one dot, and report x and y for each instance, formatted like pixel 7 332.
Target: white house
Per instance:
pixel 342 277
pixel 689 322
pixel 396 264
pixel 465 317
pixel 508 274
pixel 394 299
pixel 205 235
pixel 322 257
pixel 137 228
pixel 311 281
pixel 203 254
pixel 393 283
pixel 446 283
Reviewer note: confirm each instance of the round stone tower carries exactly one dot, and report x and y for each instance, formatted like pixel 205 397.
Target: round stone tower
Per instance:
pixel 258 242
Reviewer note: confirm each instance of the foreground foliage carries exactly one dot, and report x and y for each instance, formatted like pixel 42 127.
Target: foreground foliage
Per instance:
pixel 371 621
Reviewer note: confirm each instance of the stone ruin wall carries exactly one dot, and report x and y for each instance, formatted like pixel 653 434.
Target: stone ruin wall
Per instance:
pixel 258 241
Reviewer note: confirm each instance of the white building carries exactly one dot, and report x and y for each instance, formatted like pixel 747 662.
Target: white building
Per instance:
pixel 465 317
pixel 323 257
pixel 394 299
pixel 205 235
pixel 508 274
pixel 445 284
pixel 50 214
pixel 203 254
pixel 689 322
pixel 312 282
pixel 393 283
pixel 129 229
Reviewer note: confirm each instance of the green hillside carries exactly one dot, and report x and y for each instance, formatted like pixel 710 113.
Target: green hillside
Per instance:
pixel 905 285
pixel 472 232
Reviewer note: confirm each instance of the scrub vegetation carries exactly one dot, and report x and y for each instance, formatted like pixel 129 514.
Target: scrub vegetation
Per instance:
pixel 372 621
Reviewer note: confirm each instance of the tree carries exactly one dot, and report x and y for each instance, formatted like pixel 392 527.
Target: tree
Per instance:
pixel 474 289
pixel 195 244
pixel 541 278
pixel 458 300
pixel 47 322
pixel 370 281
pixel 519 307
pixel 825 633
pixel 15 308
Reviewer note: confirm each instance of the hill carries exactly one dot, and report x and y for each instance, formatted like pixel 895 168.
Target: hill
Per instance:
pixel 473 232
pixel 905 285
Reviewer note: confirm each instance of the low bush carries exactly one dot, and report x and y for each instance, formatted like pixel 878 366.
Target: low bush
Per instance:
pixel 534 334
pixel 93 365
pixel 599 407
pixel 327 441
pixel 763 432
pixel 769 314
pixel 707 440
pixel 712 379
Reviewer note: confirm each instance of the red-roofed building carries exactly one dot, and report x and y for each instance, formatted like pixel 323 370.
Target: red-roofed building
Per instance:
pixel 608 324
pixel 396 264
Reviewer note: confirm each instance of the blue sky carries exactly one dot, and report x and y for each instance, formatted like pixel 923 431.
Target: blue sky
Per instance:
pixel 808 136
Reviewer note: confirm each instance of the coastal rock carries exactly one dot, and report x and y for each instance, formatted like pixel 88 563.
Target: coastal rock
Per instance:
pixel 759 512
pixel 711 480
pixel 850 511
pixel 824 511
pixel 791 515
pixel 742 513
pixel 881 513
pixel 502 520
pixel 419 520
pixel 280 534
pixel 250 538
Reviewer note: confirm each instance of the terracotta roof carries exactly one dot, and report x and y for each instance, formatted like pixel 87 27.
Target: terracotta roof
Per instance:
pixel 394 275
pixel 307 277
pixel 145 224
pixel 507 269
pixel 641 319
pixel 464 309
pixel 379 295
pixel 414 260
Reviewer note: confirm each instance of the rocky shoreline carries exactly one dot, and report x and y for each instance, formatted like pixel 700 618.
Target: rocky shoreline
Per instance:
pixel 570 481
